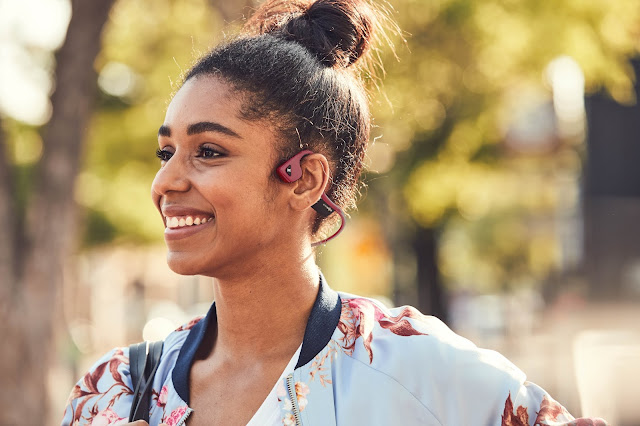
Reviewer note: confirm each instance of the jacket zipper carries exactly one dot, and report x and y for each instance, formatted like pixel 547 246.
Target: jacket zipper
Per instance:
pixel 291 389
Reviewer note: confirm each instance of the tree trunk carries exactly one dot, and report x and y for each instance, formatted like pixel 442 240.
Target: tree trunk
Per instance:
pixel 30 292
pixel 612 198
pixel 7 218
pixel 431 297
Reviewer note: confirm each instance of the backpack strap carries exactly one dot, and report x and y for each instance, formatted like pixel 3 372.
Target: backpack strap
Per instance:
pixel 144 359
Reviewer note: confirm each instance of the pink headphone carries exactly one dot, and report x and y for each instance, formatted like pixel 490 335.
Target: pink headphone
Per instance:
pixel 290 171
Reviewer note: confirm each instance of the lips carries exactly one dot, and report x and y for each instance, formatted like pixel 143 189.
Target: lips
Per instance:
pixel 181 222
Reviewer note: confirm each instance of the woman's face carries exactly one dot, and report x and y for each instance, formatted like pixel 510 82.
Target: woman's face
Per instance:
pixel 215 188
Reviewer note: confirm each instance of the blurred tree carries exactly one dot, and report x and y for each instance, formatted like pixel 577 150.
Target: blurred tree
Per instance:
pixel 34 250
pixel 472 66
pixel 39 213
pixel 136 81
pixel 156 39
pixel 474 72
pixel 612 198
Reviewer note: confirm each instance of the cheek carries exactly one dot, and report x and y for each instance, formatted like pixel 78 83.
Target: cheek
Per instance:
pixel 260 203
pixel 240 189
pixel 273 192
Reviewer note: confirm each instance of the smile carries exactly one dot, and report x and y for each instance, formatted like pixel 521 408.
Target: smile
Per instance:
pixel 174 222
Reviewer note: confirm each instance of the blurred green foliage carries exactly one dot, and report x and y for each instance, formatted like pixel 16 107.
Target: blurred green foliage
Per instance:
pixel 469 71
pixel 443 113
pixel 147 47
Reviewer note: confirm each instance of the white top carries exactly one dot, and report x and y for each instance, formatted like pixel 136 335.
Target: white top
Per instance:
pixel 269 412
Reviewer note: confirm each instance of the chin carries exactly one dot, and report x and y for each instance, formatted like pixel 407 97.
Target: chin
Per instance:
pixel 182 265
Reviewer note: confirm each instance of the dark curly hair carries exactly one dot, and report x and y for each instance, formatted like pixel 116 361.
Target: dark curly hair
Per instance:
pixel 298 64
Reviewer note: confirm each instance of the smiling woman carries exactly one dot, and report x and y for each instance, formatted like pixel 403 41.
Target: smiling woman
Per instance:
pixel 260 149
pixel 213 167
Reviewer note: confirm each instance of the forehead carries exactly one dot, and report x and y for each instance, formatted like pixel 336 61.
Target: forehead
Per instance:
pixel 207 105
pixel 204 98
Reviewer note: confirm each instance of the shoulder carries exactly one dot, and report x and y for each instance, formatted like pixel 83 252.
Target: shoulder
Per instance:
pixel 406 328
pixel 98 393
pixel 424 356
pixel 105 391
pixel 174 341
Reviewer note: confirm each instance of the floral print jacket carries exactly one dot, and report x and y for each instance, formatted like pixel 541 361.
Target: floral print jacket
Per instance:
pixel 360 364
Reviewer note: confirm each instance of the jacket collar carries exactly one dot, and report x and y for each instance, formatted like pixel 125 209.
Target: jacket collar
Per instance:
pixel 321 324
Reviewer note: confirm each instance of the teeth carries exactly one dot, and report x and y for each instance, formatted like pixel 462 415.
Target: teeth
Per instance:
pixel 180 222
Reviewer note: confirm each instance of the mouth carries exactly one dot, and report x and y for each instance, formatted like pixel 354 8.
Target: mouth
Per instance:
pixel 179 225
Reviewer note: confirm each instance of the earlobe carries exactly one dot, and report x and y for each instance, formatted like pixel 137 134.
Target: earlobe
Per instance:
pixel 312 185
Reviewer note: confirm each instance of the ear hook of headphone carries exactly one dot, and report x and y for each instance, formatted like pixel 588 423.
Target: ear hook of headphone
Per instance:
pixel 290 171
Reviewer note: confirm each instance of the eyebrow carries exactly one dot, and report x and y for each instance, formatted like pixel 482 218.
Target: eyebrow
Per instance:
pixel 164 131
pixel 201 127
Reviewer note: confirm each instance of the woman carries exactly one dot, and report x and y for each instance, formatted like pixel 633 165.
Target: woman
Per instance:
pixel 267 132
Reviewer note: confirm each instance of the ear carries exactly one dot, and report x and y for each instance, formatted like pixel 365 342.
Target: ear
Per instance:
pixel 312 184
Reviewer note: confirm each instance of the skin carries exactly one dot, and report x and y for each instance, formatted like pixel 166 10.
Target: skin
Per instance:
pixel 257 248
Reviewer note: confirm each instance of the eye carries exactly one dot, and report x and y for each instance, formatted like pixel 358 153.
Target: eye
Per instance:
pixel 208 152
pixel 164 154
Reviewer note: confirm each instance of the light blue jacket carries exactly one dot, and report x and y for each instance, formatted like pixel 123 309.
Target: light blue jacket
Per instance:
pixel 360 364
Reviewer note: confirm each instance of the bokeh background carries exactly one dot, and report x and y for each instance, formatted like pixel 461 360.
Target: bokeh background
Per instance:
pixel 503 187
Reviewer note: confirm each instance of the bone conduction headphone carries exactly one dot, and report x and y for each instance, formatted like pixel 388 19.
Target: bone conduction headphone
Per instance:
pixel 290 171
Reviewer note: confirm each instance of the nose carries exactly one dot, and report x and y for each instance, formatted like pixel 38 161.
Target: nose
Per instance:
pixel 173 176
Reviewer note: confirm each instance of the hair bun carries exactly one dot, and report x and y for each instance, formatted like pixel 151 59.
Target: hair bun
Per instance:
pixel 338 32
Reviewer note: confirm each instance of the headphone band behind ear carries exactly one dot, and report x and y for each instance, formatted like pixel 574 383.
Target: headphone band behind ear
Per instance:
pixel 290 171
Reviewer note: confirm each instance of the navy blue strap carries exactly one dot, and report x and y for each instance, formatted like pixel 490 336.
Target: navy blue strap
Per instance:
pixel 144 359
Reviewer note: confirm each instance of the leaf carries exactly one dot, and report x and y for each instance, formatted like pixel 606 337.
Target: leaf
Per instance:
pixel 401 328
pixel 367 313
pixel 511 419
pixel 552 412
pixel 114 363
pixel 522 414
pixel 549 410
pixel 91 379
pixel 367 336
pixel 94 410
pixel 409 312
pixel 77 392
pixel 78 412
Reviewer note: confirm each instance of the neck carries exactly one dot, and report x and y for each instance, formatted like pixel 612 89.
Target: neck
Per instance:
pixel 266 305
